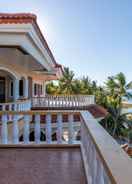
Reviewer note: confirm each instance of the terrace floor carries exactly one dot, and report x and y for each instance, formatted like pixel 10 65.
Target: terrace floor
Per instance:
pixel 33 165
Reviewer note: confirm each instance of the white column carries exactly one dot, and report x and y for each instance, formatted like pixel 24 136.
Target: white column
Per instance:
pixel 37 128
pixel 15 130
pixel 59 128
pixel 25 88
pixel 44 88
pixel 48 128
pixel 4 130
pixel 71 129
pixel 16 89
pixel 26 129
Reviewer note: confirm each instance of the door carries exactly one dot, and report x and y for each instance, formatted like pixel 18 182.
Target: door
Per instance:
pixel 2 89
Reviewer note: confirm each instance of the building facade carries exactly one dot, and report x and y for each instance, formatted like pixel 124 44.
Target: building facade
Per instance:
pixel 26 62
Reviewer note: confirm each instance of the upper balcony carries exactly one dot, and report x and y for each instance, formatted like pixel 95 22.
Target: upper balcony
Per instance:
pixel 68 102
pixel 60 149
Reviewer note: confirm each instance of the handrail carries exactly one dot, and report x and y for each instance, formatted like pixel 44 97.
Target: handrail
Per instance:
pixel 16 102
pixel 110 163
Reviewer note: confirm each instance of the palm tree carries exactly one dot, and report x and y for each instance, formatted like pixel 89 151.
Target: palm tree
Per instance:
pixel 66 83
pixel 117 123
pixel 117 87
pixel 86 86
pixel 51 89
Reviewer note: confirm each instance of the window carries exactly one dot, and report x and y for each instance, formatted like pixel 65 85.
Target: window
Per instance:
pixel 21 88
pixel 11 88
pixel 38 89
pixel 35 89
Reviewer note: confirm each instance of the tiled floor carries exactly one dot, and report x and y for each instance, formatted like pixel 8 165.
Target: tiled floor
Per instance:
pixel 41 166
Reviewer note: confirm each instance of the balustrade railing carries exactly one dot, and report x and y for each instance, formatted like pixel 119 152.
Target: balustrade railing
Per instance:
pixel 22 105
pixel 105 162
pixel 71 101
pixel 34 120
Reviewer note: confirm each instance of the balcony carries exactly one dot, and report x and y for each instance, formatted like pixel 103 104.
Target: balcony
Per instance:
pixel 63 102
pixel 20 105
pixel 93 158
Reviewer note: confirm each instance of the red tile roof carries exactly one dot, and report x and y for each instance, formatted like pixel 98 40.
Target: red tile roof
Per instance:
pixel 25 18
pixel 17 18
pixel 97 111
pixel 127 149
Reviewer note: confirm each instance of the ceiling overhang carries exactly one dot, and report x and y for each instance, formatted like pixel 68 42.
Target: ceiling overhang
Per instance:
pixel 24 36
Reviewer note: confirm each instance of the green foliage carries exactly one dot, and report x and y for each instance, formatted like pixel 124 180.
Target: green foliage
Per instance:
pixel 130 135
pixel 109 96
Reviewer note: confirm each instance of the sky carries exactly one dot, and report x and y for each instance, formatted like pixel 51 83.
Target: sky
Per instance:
pixel 91 37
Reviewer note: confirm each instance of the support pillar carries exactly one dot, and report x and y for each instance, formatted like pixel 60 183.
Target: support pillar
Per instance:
pixel 26 87
pixel 16 89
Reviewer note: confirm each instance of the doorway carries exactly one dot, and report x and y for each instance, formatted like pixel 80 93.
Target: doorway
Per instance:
pixel 2 89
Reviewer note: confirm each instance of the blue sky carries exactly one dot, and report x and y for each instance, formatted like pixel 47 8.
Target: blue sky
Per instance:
pixel 92 37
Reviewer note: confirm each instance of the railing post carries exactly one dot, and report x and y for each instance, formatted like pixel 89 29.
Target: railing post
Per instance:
pixel 59 128
pixel 48 128
pixel 4 130
pixel 37 128
pixel 26 129
pixel 71 129
pixel 15 130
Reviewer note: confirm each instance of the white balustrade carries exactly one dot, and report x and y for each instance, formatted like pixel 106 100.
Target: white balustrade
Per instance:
pixel 97 153
pixel 71 101
pixel 23 105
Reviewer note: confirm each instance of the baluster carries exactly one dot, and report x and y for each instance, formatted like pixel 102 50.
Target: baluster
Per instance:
pixel 59 128
pixel 57 101
pixel 4 130
pixel 37 128
pixel 64 100
pixel 70 101
pixel 48 100
pixel 3 107
pixel 71 129
pixel 26 129
pixel 15 130
pixel 48 128
pixel 10 109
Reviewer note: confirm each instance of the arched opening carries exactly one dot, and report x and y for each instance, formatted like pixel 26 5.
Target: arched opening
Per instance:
pixel 21 86
pixel 6 85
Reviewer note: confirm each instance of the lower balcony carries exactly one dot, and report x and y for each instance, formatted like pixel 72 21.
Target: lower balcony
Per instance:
pixel 92 157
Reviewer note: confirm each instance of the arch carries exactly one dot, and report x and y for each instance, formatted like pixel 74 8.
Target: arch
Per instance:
pixel 12 73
